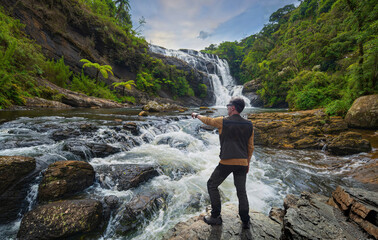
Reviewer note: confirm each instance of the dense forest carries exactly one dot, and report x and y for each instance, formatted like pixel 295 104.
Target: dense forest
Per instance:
pixel 323 53
pixel 23 64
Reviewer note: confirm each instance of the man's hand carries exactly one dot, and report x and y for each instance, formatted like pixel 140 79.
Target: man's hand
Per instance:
pixel 195 115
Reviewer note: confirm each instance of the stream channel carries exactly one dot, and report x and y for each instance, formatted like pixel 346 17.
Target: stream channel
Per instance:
pixel 185 154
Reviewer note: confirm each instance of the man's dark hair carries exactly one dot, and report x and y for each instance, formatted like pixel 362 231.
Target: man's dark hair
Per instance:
pixel 238 103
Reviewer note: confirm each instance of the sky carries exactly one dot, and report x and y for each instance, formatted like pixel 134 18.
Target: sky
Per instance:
pixel 195 24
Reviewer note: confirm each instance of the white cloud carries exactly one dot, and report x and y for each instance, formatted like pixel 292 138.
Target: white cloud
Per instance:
pixel 191 24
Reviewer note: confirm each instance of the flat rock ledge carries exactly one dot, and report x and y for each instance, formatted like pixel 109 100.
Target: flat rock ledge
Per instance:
pixel 349 214
pixel 195 228
pixel 312 129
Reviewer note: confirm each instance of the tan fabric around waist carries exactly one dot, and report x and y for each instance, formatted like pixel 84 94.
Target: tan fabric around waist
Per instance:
pixel 235 161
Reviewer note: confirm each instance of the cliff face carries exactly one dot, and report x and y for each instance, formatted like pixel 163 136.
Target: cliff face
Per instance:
pixel 65 28
pixel 62 28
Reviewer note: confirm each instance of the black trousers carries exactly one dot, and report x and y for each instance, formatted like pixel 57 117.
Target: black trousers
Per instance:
pixel 220 173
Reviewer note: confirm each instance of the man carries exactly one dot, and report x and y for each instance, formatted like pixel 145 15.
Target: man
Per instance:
pixel 236 142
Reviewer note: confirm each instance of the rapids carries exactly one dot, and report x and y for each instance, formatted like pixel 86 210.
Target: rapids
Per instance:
pixel 184 153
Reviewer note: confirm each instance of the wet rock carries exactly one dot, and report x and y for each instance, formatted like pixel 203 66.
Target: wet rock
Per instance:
pixel 153 106
pixel 87 150
pixel 367 173
pixel 139 209
pixel 125 176
pixel 195 228
pixel 132 127
pixel 60 135
pixel 65 178
pixel 349 143
pixel 88 127
pixel 61 220
pixel 361 206
pixel 254 99
pixel 16 172
pixel 363 113
pixel 112 201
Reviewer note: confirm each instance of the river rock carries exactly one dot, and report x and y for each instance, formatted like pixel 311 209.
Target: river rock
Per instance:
pixel 367 173
pixel 132 127
pixel 252 86
pixel 311 129
pixel 65 178
pixel 87 150
pixel 361 206
pixel 254 99
pixel 61 220
pixel 16 172
pixel 43 103
pixel 349 143
pixel 363 113
pixel 195 228
pixel 125 176
pixel 309 217
pixel 64 134
pixel 138 210
pixel 153 106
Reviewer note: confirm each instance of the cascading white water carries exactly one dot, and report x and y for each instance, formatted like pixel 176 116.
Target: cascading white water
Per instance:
pixel 223 83
pixel 185 155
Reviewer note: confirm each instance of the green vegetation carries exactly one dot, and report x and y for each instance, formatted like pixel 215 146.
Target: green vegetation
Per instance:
pixel 20 63
pixel 103 69
pixel 320 54
pixel 108 25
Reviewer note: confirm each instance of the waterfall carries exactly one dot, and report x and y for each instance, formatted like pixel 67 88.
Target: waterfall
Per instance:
pixel 222 83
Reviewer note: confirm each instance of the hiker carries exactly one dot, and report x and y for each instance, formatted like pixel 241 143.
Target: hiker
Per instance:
pixel 236 143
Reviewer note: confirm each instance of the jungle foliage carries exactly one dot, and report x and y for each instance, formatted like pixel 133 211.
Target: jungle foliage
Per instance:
pixel 323 53
pixel 22 63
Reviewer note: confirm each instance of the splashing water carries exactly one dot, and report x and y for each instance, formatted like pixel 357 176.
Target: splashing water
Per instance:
pixel 185 156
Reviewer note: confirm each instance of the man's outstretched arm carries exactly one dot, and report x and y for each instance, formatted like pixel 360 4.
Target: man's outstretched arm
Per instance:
pixel 215 122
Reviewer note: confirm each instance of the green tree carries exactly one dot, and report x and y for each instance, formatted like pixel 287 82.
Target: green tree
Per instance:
pixel 103 69
pixel 125 85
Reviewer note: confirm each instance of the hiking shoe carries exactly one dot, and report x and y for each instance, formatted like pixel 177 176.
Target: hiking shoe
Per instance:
pixel 212 221
pixel 246 225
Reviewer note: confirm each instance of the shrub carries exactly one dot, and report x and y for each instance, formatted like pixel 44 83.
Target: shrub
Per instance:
pixel 57 72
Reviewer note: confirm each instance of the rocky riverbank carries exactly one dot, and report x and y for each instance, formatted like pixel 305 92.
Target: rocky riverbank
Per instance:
pixel 347 214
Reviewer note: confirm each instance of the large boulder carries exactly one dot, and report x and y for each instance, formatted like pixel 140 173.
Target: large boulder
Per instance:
pixel 349 143
pixel 61 220
pixel 361 206
pixel 310 217
pixel 138 210
pixel 43 103
pixel 87 150
pixel 153 106
pixel 252 86
pixel 195 228
pixel 16 172
pixel 363 113
pixel 65 178
pixel 125 176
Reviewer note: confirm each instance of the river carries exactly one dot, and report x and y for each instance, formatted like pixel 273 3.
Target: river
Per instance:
pixel 185 154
